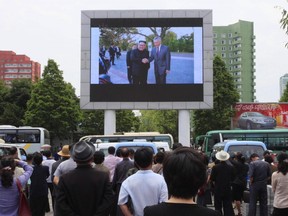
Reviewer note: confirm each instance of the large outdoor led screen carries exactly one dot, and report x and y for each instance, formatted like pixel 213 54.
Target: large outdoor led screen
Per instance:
pixel 126 64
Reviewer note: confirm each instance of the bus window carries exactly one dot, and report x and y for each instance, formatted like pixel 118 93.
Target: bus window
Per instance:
pixel 28 136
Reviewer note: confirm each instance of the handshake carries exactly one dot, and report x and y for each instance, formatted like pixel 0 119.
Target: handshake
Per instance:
pixel 145 60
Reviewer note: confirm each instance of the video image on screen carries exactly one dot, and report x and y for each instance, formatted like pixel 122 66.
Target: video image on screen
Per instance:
pixel 129 52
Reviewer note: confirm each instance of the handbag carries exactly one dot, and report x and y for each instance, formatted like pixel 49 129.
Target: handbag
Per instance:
pixel 24 208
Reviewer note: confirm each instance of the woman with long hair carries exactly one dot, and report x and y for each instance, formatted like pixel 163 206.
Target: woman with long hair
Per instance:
pixel 9 199
pixel 280 189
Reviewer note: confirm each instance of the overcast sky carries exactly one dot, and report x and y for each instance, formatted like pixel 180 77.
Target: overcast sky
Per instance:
pixel 50 29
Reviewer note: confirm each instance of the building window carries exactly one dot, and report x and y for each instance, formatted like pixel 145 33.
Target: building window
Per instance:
pixel 11 65
pixel 215 48
pixel 11 70
pixel 223 42
pixel 230 48
pixel 25 65
pixel 223 35
pixel 223 48
pixel 231 61
pixel 230 35
pixel 214 41
pixel 215 35
pixel 230 55
pixel 223 55
pixel 24 70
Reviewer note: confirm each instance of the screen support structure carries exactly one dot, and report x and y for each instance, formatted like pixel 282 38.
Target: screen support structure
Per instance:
pixel 183 125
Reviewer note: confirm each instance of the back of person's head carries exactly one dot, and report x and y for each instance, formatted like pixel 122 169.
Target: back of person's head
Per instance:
pixel 29 158
pixel 13 151
pixel 7 171
pixel 184 172
pixel 111 150
pixel 176 145
pixel 131 153
pixel 239 157
pixel 159 157
pixel 269 159
pixel 254 155
pixel 124 152
pixel 282 156
pixel 99 157
pixel 47 153
pixel 283 167
pixel 143 157
pixel 266 153
pixel 37 158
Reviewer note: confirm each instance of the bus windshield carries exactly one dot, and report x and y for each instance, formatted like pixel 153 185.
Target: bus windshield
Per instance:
pixel 153 137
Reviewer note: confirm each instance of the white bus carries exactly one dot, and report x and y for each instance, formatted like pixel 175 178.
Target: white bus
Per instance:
pixel 130 137
pixel 31 139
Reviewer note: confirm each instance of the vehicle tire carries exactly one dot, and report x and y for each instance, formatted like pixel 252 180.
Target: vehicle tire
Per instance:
pixel 248 126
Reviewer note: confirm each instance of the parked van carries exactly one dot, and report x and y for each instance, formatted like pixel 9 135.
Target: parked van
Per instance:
pixel 245 147
pixel 131 145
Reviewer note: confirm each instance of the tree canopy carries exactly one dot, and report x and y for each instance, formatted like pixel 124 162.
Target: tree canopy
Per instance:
pixel 53 104
pixel 284 21
pixel 225 95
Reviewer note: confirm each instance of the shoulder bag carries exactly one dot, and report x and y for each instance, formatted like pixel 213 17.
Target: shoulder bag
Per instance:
pixel 24 208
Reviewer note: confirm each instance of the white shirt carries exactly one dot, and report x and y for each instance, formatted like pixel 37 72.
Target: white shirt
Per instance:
pixel 145 188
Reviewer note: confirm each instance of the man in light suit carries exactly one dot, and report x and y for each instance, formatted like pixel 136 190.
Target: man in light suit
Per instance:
pixel 161 56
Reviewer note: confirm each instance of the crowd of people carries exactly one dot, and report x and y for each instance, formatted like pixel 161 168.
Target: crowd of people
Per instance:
pixel 181 182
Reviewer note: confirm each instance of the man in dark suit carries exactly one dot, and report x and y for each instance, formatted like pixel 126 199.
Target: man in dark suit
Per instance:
pixel 84 190
pixel 129 64
pixel 161 56
pixel 112 52
pixel 139 68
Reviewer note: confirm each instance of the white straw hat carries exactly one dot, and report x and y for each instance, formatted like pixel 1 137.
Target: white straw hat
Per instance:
pixel 222 155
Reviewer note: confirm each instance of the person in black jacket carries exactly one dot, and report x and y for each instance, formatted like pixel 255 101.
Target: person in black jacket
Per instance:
pixel 38 188
pixel 140 69
pixel 84 191
pixel 129 64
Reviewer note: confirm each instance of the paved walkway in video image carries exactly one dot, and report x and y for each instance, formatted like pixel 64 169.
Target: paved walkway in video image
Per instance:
pixel 182 70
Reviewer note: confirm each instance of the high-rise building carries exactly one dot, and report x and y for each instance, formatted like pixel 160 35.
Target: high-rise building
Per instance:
pixel 13 66
pixel 235 44
pixel 283 83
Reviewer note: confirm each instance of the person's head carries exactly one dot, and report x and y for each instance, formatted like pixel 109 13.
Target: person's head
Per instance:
pixel 281 157
pixel 111 150
pixel 83 152
pixel 124 152
pixel 13 152
pixel 64 152
pixel 159 157
pixel 266 153
pixel 222 156
pixel 143 158
pixel 157 41
pixel 269 159
pixel 239 157
pixel 283 167
pixel 7 170
pixel 37 158
pixel 47 153
pixel 254 157
pixel 176 145
pixel 184 172
pixel 29 158
pixel 131 153
pixel 142 45
pixel 99 157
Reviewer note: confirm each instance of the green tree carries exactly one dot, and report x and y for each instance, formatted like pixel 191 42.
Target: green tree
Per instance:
pixel 14 103
pixel 284 21
pixel 163 121
pixel 126 121
pixel 284 97
pixel 53 104
pixel 225 95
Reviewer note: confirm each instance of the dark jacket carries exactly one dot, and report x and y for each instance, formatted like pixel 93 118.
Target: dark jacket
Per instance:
pixel 136 57
pixel 84 191
pixel 39 187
